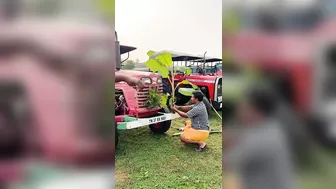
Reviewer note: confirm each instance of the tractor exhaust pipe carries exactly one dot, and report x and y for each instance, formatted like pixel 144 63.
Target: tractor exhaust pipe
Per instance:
pixel 118 56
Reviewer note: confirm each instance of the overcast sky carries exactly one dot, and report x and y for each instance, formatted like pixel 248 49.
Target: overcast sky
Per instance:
pixel 188 26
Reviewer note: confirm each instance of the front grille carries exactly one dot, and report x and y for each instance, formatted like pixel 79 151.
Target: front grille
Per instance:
pixel 142 95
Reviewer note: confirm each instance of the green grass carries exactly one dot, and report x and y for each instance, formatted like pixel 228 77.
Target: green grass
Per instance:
pixel 145 160
pixel 322 173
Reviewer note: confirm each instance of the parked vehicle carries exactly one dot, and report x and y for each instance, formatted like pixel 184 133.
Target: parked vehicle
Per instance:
pixel 55 66
pixel 131 108
pixel 296 52
pixel 205 73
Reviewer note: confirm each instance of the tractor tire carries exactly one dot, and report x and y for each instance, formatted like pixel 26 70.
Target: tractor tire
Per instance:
pixel 160 128
pixel 207 104
pixel 318 128
pixel 181 99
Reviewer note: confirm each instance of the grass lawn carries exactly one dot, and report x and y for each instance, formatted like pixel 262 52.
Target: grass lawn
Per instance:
pixel 321 173
pixel 145 160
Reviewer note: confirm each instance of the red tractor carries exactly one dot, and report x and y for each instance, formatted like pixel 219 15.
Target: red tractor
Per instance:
pixel 131 110
pixel 55 68
pixel 296 51
pixel 205 73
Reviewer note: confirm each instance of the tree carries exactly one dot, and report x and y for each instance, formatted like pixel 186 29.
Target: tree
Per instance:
pixel 129 65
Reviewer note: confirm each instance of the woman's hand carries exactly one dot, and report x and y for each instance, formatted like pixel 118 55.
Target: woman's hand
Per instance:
pixel 173 108
pixel 131 81
pixel 136 82
pixel 140 85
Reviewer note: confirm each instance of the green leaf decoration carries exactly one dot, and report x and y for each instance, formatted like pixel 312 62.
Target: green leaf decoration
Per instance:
pixel 150 53
pixel 164 99
pixel 153 65
pixel 186 91
pixel 155 99
pixel 159 62
pixel 187 82
pixel 194 86
pixel 188 71
pixel 164 58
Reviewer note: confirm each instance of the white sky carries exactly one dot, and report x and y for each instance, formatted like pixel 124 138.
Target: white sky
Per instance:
pixel 188 26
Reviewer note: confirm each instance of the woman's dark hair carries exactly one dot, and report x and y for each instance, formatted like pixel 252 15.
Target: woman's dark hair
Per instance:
pixel 263 99
pixel 199 95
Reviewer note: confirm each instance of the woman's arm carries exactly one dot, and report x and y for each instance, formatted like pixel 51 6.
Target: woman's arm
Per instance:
pixel 183 108
pixel 182 114
pixel 129 80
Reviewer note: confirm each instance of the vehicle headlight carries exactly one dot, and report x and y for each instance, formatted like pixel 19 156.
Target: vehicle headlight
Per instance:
pixel 159 80
pixel 146 80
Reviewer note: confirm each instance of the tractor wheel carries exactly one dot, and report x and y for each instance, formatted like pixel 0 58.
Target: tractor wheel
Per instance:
pixel 160 128
pixel 181 99
pixel 207 104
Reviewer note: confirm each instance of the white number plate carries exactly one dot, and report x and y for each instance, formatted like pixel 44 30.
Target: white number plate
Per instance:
pixel 220 99
pixel 157 119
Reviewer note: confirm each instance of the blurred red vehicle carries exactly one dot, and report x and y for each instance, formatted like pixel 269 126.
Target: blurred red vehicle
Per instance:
pixel 295 48
pixel 55 69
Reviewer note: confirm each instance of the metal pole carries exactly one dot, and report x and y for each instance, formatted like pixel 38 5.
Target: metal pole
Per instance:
pixel 204 59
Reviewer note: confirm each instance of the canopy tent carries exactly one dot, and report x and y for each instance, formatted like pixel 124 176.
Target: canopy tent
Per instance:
pixel 125 49
pixel 207 60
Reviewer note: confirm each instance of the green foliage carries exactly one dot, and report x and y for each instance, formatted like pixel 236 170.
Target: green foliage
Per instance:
pixel 129 65
pixel 186 82
pixel 186 91
pixel 160 62
pixel 188 71
pixel 164 99
pixel 155 99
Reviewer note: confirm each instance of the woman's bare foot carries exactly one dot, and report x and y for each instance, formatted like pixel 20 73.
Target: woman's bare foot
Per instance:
pixel 201 147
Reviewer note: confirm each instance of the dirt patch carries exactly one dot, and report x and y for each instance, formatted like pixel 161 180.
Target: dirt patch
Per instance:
pixel 122 180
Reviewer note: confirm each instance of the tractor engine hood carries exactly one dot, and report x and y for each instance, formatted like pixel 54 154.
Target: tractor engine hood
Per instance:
pixel 63 39
pixel 138 74
pixel 287 47
pixel 202 78
pixel 268 47
pixel 326 30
